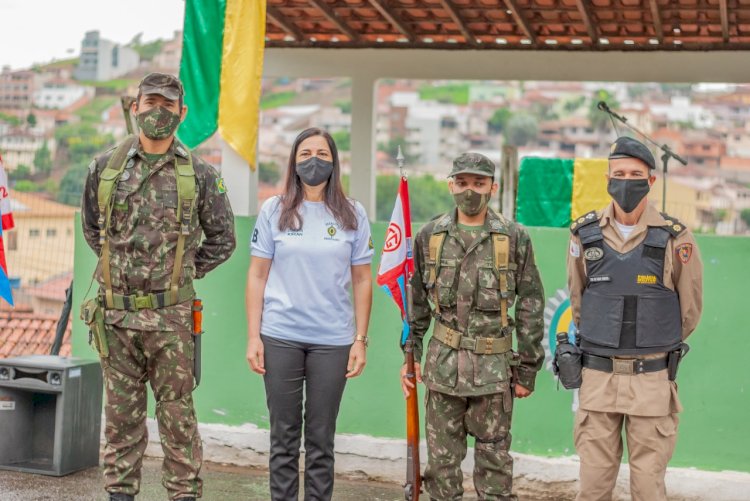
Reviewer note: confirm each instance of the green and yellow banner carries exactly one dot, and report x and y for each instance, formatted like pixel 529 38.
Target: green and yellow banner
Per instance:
pixel 222 66
pixel 555 191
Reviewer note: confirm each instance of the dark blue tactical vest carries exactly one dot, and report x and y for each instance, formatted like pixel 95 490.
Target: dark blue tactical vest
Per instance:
pixel 625 308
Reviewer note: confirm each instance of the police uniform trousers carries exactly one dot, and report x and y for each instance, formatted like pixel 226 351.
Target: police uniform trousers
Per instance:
pixel 165 359
pixel 645 407
pixel 448 421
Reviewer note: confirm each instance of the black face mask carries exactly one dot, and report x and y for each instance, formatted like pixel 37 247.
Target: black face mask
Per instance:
pixel 628 193
pixel 314 171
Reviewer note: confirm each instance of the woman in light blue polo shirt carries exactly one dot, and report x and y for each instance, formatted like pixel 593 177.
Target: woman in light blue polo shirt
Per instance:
pixel 310 246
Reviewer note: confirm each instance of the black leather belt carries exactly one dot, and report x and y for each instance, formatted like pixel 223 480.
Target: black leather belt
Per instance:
pixel 628 366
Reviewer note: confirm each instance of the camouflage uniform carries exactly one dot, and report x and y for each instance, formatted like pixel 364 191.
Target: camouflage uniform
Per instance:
pixel 154 345
pixel 470 393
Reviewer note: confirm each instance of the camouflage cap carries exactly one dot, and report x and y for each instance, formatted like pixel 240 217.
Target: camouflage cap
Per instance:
pixel 473 163
pixel 627 147
pixel 163 84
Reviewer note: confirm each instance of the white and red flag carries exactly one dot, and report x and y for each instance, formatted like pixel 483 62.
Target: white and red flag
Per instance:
pixel 7 214
pixel 397 259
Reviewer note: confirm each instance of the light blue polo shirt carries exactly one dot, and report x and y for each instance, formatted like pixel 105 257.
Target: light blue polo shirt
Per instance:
pixel 307 296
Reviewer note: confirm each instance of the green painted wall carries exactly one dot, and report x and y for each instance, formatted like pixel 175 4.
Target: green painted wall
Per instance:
pixel 714 379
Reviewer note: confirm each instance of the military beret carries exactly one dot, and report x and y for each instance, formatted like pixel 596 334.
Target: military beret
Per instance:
pixel 627 147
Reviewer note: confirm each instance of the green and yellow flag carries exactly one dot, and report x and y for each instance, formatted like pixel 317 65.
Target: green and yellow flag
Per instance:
pixel 222 66
pixel 555 191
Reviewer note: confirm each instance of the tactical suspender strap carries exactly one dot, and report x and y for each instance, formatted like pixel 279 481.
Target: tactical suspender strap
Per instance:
pixel 185 204
pixel 436 254
pixel 501 257
pixel 107 181
pixel 186 194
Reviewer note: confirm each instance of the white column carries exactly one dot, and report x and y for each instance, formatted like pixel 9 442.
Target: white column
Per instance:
pixel 362 180
pixel 241 182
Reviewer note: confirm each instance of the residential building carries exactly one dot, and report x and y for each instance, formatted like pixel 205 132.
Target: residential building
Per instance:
pixel 19 145
pixel 58 94
pixel 41 244
pixel 17 89
pixel 102 59
pixel 168 60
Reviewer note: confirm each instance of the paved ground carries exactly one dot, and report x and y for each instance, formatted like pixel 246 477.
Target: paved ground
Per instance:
pixel 222 483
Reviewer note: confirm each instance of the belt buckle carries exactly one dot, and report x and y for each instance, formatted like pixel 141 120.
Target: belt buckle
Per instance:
pixel 488 345
pixel 449 335
pixel 624 366
pixel 142 302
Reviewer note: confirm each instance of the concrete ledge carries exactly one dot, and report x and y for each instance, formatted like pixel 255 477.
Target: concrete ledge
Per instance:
pixel 382 459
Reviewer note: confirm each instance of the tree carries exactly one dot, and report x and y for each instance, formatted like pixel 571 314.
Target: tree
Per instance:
pixel 600 120
pixel 22 171
pixel 71 185
pixel 31 120
pixel 499 120
pixel 343 140
pixel 745 215
pixel 391 148
pixel 345 105
pixel 24 185
pixel 427 197
pixel 268 173
pixel 43 159
pixel 521 130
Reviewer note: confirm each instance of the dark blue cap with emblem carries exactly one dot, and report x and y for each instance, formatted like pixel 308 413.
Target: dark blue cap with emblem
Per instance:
pixel 627 147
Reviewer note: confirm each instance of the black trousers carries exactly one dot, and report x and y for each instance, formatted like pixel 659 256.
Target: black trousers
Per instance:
pixel 320 370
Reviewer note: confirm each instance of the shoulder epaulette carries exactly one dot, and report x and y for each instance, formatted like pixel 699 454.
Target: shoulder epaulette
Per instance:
pixel 582 221
pixel 672 225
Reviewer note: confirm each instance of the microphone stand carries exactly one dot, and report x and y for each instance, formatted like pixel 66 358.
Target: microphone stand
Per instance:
pixel 667 151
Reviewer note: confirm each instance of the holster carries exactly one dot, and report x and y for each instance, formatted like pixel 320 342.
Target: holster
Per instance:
pixel 674 358
pixel 92 315
pixel 568 365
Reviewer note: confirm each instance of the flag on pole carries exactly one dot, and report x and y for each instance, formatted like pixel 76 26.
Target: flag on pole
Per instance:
pixel 222 66
pixel 7 223
pixel 5 209
pixel 397 259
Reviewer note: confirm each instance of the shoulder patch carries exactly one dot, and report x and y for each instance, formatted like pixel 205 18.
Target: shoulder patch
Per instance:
pixel 220 185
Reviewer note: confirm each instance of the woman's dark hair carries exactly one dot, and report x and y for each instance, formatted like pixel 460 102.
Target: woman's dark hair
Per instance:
pixel 333 196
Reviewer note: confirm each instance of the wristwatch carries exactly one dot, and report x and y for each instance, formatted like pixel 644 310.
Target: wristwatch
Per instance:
pixel 364 339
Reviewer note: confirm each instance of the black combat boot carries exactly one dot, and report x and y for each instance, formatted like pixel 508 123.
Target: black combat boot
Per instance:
pixel 119 496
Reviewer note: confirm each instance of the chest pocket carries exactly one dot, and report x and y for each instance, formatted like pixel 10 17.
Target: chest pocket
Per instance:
pixel 169 206
pixel 121 206
pixel 488 290
pixel 444 283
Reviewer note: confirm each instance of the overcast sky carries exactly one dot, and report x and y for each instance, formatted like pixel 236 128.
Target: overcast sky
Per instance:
pixel 34 31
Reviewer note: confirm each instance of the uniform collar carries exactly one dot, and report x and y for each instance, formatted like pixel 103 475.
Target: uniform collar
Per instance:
pixel 176 148
pixel 493 223
pixel 650 217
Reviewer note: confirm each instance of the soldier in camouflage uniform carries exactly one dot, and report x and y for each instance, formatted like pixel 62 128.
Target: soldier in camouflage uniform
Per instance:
pixel 148 218
pixel 472 264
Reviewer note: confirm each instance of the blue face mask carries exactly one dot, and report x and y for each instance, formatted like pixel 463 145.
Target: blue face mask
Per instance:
pixel 314 171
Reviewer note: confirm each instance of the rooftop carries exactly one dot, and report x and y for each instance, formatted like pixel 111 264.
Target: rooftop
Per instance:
pixel 26 333
pixel 511 24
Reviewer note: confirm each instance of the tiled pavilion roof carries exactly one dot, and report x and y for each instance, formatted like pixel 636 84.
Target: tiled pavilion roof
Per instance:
pixel 511 24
